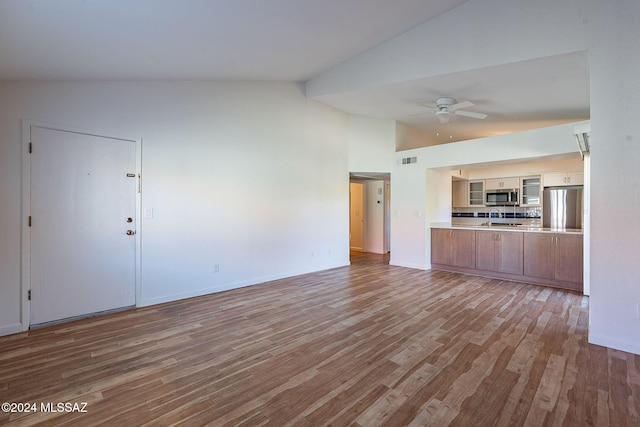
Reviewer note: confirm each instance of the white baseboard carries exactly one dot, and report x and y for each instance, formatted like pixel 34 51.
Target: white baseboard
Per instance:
pixel 408 265
pixel 11 329
pixel 622 345
pixel 228 286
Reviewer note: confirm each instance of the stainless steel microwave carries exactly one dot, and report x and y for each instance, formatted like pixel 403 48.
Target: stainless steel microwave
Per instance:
pixel 502 198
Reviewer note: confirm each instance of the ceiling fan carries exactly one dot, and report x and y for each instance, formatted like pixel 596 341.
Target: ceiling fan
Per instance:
pixel 446 106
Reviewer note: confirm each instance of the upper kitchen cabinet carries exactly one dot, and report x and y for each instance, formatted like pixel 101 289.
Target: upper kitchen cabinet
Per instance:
pixel 530 191
pixel 559 179
pixel 502 183
pixel 476 193
pixel 460 194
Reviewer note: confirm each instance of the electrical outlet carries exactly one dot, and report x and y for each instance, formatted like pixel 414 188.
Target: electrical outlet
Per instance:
pixel 216 268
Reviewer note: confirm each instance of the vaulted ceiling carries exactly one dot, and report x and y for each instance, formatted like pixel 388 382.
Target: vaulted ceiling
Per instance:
pixel 282 40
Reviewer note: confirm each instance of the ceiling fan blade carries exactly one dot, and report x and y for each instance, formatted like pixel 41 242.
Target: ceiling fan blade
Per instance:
pixel 430 108
pixel 459 105
pixel 421 114
pixel 470 114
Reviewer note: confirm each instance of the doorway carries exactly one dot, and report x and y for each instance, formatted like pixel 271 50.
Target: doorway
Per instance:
pixel 369 216
pixel 82 238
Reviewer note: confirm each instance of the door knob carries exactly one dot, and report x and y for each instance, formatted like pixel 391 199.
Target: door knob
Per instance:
pixel 130 232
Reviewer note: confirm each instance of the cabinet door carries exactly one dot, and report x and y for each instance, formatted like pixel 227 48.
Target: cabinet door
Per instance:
pixel 476 193
pixel 502 183
pixel 575 178
pixel 463 252
pixel 486 250
pixel 554 179
pixel 509 183
pixel 493 184
pixel 530 191
pixel 441 246
pixel 510 252
pixel 562 179
pixel 569 259
pixel 459 194
pixel 538 255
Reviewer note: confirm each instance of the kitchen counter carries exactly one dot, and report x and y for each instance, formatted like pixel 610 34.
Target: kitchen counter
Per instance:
pixel 505 227
pixel 525 253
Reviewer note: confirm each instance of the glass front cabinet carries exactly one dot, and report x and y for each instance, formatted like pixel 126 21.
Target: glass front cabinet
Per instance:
pixel 530 191
pixel 476 193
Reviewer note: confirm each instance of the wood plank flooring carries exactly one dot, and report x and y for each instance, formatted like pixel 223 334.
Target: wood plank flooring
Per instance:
pixel 364 345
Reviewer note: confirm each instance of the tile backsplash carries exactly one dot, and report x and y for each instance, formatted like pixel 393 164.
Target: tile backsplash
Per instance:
pixel 508 214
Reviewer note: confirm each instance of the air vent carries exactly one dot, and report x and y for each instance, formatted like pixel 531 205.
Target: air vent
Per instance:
pixel 409 160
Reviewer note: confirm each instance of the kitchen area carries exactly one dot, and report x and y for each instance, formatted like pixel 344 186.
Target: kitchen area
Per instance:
pixel 520 222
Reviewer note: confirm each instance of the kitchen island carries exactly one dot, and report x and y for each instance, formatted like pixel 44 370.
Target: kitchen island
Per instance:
pixel 545 256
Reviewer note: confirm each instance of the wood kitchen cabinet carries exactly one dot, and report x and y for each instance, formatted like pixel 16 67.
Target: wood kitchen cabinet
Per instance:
pixel 502 183
pixel 455 248
pixel 500 251
pixel 554 256
pixel 552 259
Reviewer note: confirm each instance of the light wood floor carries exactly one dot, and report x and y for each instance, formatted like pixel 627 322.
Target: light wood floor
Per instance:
pixel 365 345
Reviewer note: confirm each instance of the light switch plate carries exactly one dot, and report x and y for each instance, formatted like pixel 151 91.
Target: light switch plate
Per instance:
pixel 148 213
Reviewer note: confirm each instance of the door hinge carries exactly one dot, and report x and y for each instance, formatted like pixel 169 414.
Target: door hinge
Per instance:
pixel 29 294
pixel 31 147
pixel 29 220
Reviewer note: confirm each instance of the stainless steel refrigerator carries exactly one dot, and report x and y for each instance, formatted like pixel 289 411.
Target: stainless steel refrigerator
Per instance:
pixel 562 207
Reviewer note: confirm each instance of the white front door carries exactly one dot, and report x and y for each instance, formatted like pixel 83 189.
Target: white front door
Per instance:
pixel 82 204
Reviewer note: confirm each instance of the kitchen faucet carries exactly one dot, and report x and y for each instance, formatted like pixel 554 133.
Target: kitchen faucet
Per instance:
pixel 490 211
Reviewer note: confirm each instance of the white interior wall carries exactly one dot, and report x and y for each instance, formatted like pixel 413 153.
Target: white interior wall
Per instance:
pixel 371 144
pixel 408 209
pixel 250 176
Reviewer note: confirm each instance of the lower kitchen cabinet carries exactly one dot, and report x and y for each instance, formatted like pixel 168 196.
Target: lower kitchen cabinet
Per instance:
pixel 453 247
pixel 556 257
pixel 499 251
pixel 553 259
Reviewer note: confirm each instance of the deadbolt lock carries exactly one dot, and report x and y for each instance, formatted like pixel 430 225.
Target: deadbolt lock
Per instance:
pixel 130 232
pixel 129 219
